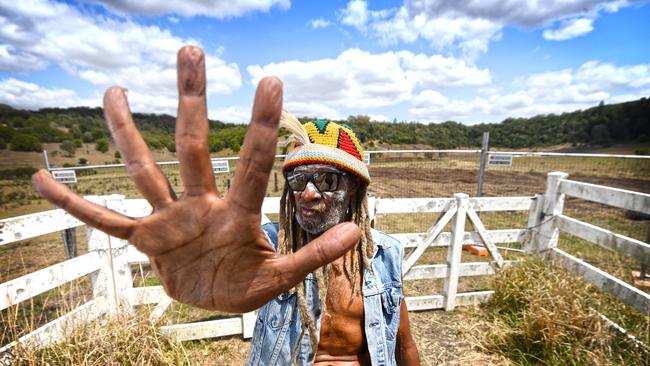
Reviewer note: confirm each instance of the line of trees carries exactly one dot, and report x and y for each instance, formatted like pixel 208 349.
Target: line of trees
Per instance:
pixel 23 130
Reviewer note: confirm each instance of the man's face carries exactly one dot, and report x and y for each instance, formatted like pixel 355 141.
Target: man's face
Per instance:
pixel 317 210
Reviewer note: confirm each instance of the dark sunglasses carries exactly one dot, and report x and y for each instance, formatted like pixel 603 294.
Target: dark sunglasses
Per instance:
pixel 323 181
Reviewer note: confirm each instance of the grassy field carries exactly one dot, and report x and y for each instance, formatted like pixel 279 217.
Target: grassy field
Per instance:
pixel 393 176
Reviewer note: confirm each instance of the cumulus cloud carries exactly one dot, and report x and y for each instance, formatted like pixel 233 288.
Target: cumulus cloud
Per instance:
pixel 543 93
pixel 320 23
pixel 519 12
pixel 212 8
pixel 355 14
pixel 27 95
pixel 359 79
pixel 231 114
pixel 469 26
pixel 107 51
pixel 378 118
pixel 570 29
pixel 313 110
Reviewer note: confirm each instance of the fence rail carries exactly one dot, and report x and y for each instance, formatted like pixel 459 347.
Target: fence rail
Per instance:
pixel 109 260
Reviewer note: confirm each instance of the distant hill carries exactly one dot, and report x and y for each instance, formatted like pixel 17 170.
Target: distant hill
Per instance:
pixel 629 122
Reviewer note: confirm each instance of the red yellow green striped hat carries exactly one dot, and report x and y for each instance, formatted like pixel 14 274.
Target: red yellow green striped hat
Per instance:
pixel 325 142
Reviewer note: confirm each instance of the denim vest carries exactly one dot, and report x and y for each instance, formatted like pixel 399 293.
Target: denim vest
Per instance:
pixel 278 325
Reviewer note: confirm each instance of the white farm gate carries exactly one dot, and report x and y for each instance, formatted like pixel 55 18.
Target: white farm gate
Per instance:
pixel 109 259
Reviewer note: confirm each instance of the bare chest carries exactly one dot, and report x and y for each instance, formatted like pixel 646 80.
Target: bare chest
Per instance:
pixel 342 324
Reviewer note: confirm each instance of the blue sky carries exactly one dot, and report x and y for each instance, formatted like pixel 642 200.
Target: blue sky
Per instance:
pixel 420 60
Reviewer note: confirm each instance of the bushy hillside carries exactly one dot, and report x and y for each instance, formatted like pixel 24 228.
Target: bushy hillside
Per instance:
pixel 23 130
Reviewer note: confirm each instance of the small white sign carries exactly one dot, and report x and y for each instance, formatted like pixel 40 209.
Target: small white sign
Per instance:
pixel 500 160
pixel 220 166
pixel 65 176
pixel 366 158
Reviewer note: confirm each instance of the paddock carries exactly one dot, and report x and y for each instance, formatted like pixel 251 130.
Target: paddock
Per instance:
pixel 110 261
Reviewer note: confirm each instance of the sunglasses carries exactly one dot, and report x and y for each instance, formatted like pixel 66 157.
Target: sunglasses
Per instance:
pixel 323 181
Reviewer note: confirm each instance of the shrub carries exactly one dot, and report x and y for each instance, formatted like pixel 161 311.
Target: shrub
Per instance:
pixel 68 147
pixel 642 151
pixel 101 144
pixel 24 172
pixel 26 142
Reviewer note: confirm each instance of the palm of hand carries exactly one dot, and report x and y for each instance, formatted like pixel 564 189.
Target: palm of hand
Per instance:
pixel 208 252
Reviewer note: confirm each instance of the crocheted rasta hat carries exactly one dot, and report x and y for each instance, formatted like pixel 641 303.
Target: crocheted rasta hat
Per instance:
pixel 324 142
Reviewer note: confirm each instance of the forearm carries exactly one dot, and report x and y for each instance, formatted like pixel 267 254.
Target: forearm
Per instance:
pixel 407 354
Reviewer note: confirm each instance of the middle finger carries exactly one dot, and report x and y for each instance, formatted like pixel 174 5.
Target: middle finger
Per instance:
pixel 140 163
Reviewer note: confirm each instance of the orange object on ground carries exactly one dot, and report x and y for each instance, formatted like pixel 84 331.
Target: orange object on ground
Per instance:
pixel 476 250
pixel 638 281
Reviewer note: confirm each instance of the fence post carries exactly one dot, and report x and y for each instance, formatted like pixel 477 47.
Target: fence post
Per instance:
pixel 69 242
pixel 481 169
pixel 534 219
pixel 454 252
pixel 548 234
pixel 113 280
pixel 119 257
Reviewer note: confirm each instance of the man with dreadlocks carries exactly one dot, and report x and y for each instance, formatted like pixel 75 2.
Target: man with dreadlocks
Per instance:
pixel 349 312
pixel 209 250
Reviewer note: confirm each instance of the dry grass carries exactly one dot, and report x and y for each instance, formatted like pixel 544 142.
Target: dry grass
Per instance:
pixel 123 340
pixel 540 315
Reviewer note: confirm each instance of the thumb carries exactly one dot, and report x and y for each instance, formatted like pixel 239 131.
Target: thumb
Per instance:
pixel 329 246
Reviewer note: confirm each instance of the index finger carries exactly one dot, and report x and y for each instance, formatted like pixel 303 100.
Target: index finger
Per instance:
pixel 258 152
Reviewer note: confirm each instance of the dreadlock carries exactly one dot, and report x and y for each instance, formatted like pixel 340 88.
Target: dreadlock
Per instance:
pixel 292 237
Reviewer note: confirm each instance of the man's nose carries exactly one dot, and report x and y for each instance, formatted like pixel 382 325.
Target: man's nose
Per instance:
pixel 311 193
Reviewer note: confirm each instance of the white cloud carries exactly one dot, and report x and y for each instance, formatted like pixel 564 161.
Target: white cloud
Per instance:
pixel 103 51
pixel 469 26
pixel 379 118
pixel 544 93
pixel 359 79
pixel 442 72
pixel 320 23
pixel 21 94
pixel 354 79
pixel 313 110
pixel 529 13
pixel 173 19
pixel 355 14
pixel 212 8
pixel 570 29
pixel 232 114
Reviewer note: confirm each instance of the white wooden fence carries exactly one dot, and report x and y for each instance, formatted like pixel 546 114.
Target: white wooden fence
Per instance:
pixel 109 259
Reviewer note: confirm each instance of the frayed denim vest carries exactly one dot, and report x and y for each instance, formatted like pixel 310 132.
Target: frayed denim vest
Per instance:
pixel 278 326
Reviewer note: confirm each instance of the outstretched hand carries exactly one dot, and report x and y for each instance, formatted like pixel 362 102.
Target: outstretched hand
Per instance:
pixel 208 252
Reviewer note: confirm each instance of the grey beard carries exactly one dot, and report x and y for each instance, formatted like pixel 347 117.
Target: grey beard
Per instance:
pixel 333 215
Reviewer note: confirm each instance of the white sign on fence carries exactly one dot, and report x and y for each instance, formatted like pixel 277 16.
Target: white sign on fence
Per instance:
pixel 500 160
pixel 366 157
pixel 220 166
pixel 65 176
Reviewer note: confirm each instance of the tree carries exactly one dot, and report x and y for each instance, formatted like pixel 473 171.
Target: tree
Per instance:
pixel 69 147
pixel 83 161
pixel 26 142
pixel 101 144
pixel 600 135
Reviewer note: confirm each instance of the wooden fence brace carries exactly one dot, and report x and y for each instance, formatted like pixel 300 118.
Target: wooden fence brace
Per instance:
pixel 432 234
pixel 454 252
pixel 548 233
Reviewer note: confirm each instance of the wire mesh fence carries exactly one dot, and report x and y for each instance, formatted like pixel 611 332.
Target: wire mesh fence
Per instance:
pixel 433 173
